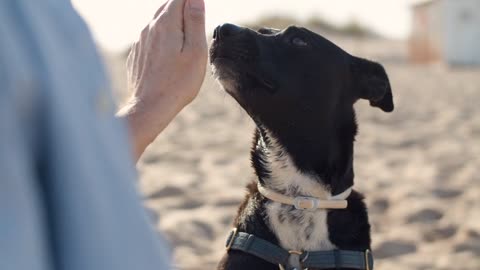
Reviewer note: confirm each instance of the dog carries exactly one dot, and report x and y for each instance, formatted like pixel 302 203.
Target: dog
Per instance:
pixel 299 89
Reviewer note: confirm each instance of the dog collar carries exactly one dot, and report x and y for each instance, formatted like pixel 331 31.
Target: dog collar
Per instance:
pixel 303 202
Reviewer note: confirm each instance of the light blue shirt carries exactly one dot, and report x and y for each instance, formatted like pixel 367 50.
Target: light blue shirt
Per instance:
pixel 67 181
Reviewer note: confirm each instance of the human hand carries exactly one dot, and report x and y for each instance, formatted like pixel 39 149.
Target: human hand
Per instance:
pixel 166 68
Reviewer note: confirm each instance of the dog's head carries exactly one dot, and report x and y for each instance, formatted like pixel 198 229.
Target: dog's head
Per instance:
pixel 297 84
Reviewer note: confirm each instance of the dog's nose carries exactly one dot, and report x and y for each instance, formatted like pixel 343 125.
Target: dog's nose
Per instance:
pixel 226 30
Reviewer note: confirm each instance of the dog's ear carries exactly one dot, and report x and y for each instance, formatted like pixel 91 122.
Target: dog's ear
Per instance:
pixel 371 82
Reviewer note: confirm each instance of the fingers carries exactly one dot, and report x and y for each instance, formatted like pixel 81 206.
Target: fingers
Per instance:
pixel 194 26
pixel 174 12
pixel 159 11
pixel 183 20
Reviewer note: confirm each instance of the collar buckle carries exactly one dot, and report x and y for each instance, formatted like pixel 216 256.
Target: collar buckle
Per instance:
pixel 307 203
pixel 367 259
pixel 231 239
pixel 303 203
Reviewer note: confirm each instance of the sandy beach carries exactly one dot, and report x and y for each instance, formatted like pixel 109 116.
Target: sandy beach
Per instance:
pixel 418 167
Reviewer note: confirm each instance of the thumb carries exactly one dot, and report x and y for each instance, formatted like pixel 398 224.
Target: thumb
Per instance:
pixel 194 26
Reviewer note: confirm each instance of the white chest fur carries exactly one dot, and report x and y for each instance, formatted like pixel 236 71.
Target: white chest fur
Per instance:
pixel 299 230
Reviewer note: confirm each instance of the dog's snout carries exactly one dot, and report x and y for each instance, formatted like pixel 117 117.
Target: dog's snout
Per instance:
pixel 226 30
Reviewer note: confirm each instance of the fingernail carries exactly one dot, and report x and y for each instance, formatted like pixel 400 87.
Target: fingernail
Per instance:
pixel 197 5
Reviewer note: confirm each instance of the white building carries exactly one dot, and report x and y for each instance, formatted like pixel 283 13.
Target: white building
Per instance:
pixel 446 30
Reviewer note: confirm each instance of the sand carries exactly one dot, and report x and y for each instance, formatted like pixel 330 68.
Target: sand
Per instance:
pixel 418 167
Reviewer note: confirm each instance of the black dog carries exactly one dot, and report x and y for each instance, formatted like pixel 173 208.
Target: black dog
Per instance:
pixel 300 89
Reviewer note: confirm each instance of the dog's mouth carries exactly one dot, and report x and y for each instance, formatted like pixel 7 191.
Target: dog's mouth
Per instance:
pixel 227 69
pixel 240 66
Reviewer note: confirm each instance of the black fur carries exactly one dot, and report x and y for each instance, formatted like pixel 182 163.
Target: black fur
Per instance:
pixel 302 93
pixel 250 218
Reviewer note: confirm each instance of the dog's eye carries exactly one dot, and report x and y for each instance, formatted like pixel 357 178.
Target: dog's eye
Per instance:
pixel 267 31
pixel 299 42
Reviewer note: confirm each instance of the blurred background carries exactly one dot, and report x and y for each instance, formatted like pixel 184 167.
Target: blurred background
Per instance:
pixel 418 166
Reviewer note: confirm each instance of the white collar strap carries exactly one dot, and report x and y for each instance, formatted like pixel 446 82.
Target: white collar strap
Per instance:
pixel 303 203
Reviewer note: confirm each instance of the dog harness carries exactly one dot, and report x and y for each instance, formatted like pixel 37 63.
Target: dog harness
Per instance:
pixel 267 251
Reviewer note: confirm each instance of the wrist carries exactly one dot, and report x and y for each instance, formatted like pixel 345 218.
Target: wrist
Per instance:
pixel 146 119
